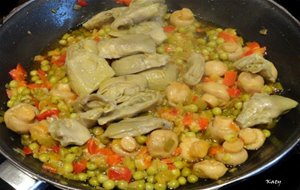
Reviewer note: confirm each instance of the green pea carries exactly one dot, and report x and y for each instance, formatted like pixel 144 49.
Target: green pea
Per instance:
pixel 182 180
pixel 91 173
pixel 82 176
pixel 33 146
pixel 109 184
pixel 149 186
pixel 175 172
pixel 163 167
pixel 98 131
pixel 91 166
pixel 65 80
pixel 62 42
pixel 152 170
pixel 173 184
pixel 223 56
pixel 179 61
pixel 182 29
pixel 211 44
pixel 217 111
pixel 191 108
pixel 245 97
pixel 138 175
pixel 53 79
pixel 266 132
pixel 13 84
pixel 44 62
pixel 68 167
pixel 192 178
pixel 141 139
pixel 190 134
pixel 45 67
pixel 178 49
pixel 35 78
pixel 93 181
pixel 44 157
pixel 160 49
pixel 38 82
pixel 220 40
pixel 70 157
pixel 238 105
pixel 160 186
pixel 201 41
pixel 151 179
pixel 102 178
pixel 179 164
pixel 10 103
pixel 205 52
pixel 267 89
pixel 33 73
pixel 122 184
pixel 186 172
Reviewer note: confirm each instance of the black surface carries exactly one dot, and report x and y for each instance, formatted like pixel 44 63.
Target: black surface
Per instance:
pixel 285 172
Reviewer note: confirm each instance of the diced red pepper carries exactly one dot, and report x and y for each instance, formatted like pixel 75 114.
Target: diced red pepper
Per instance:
pixel 46 114
pixel 55 148
pixel 119 173
pixel 18 74
pixel 92 146
pixel 227 36
pixel 169 28
pixel 234 92
pixel 203 123
pixel 188 119
pixel 79 166
pixel 114 159
pixel 82 3
pixel 123 2
pixel 27 150
pixel 61 60
pixel 230 78
pixel 254 47
pixel 214 150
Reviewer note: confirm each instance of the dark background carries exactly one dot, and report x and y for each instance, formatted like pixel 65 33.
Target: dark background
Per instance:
pixel 286 171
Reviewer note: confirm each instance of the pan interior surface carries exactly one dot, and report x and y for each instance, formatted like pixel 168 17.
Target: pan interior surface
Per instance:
pixel 40 23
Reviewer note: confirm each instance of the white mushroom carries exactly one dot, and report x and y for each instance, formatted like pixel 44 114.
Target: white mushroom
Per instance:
pixel 250 82
pixel 211 100
pixel 215 68
pixel 259 140
pixel 162 143
pixel 64 91
pixel 199 149
pixel 128 144
pixel 185 146
pixel 232 158
pixel 177 92
pixel 223 128
pixel 20 117
pixel 248 135
pixel 209 169
pixel 233 49
pixel 183 17
pixel 233 146
pixel 216 89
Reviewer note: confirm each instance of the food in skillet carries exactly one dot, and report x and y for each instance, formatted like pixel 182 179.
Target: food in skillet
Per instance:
pixel 142 99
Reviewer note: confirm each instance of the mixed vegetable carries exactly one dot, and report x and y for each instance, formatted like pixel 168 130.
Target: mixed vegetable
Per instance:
pixel 139 98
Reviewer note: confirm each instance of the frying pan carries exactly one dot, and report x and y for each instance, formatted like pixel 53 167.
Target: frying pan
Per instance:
pixel 39 23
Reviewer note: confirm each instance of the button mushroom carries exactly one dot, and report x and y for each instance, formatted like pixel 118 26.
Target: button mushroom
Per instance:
pixel 209 169
pixel 233 159
pixel 162 143
pixel 250 82
pixel 254 138
pixel 183 17
pixel 20 117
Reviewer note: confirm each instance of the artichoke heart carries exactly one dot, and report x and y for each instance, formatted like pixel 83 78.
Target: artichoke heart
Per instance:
pixel 136 126
pixel 262 108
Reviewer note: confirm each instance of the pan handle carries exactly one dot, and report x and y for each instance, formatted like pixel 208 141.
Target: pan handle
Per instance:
pixel 18 179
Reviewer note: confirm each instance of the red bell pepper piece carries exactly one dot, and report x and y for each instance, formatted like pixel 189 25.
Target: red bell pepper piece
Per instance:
pixel 46 114
pixel 18 73
pixel 79 166
pixel 119 173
